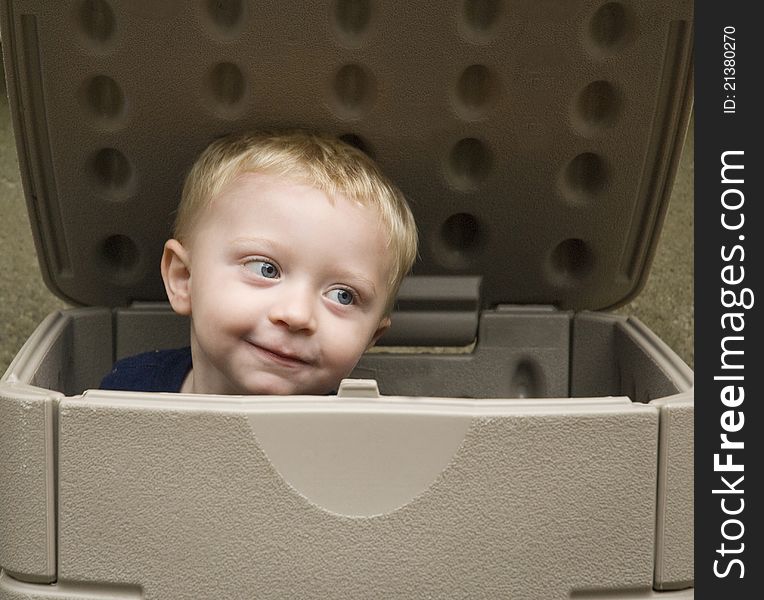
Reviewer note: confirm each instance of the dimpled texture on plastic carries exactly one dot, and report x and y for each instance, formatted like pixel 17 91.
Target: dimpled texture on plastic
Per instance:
pixel 536 140
pixel 676 505
pixel 180 498
pixel 27 520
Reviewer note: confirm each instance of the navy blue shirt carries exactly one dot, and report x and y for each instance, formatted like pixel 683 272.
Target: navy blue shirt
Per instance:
pixel 157 371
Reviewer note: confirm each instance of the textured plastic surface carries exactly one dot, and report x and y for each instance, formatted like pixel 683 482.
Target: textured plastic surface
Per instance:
pixel 435 311
pixel 520 353
pixel 504 123
pixel 675 539
pixel 65 351
pixel 27 489
pixel 145 480
pixel 687 594
pixel 28 447
pixel 11 589
pixel 640 365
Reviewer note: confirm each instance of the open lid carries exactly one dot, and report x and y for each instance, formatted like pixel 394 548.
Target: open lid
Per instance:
pixel 536 140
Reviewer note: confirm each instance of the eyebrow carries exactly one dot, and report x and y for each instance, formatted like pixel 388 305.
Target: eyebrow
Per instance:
pixel 244 243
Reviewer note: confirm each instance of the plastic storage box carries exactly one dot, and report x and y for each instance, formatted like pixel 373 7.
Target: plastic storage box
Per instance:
pixel 547 453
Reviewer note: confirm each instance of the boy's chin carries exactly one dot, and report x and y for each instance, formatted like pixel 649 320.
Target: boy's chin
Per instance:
pixel 281 388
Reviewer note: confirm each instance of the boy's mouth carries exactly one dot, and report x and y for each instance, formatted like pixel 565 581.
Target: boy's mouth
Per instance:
pixel 279 356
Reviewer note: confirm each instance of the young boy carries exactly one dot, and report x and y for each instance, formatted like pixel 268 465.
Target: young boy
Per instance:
pixel 288 251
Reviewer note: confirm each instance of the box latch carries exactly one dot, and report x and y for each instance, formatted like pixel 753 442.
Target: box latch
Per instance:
pixel 358 388
pixel 435 311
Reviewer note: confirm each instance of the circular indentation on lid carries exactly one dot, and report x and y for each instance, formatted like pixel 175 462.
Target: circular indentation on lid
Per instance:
pixel 571 260
pixel 223 19
pixel 353 90
pixel 527 380
pixel 460 240
pixel 476 90
pixel 103 98
pixel 461 232
pixel 584 177
pixel 112 170
pixel 227 85
pixel 611 26
pixel 480 15
pixel 225 14
pixel 597 106
pixel 357 142
pixel 469 163
pixel 120 256
pixel 352 17
pixel 97 20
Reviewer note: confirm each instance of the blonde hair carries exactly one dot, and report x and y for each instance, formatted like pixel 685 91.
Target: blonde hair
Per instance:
pixel 326 163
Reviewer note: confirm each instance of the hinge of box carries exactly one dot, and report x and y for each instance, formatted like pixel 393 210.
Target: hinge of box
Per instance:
pixel 435 311
pixel 150 305
pixel 526 308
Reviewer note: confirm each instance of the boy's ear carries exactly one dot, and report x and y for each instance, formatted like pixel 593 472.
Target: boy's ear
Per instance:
pixel 384 325
pixel 176 275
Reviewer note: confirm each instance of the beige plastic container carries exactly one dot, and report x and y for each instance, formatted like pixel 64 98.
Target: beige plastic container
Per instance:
pixel 548 455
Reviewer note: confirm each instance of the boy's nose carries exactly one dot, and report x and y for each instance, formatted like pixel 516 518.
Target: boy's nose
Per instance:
pixel 295 311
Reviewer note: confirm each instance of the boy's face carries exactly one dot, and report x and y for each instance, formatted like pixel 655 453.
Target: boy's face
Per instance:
pixel 285 289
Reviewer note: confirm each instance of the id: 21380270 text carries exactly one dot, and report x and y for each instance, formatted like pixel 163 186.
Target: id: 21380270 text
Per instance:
pixel 728 66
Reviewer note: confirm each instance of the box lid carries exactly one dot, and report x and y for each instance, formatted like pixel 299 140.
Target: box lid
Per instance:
pixel 536 140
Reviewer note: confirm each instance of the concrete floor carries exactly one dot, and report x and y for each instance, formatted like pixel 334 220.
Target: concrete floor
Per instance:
pixel 665 304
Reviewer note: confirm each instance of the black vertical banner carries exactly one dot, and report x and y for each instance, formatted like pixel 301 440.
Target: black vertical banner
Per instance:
pixel 729 427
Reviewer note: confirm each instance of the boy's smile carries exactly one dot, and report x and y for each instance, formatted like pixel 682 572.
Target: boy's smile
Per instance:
pixel 286 288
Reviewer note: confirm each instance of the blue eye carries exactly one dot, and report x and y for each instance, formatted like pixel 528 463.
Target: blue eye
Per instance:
pixel 341 296
pixel 264 268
